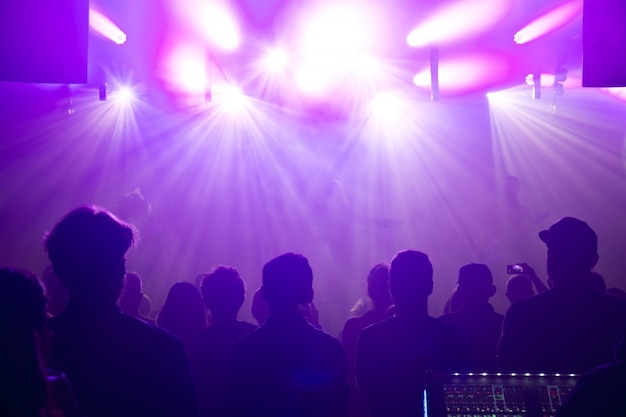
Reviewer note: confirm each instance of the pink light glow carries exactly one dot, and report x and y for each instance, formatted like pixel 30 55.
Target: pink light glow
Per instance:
pixel 221 26
pixel 105 27
pixel 549 22
pixel 459 20
pixel 185 68
pixel 213 20
pixel 466 73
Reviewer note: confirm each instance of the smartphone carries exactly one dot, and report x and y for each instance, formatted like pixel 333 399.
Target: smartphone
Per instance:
pixel 514 269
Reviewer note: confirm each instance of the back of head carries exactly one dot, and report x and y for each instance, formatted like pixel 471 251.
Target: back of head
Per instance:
pixel 22 315
pixel 410 277
pixel 223 292
pixel 183 312
pixel 572 249
pixel 519 287
pixel 22 298
pixel 287 282
pixel 87 249
pixel 378 286
pixel 475 284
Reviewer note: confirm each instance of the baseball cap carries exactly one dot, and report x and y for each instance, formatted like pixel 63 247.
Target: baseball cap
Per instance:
pixel 475 276
pixel 571 235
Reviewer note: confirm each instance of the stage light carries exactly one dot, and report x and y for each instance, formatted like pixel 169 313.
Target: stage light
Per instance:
pixel 335 32
pixel 275 60
pixel 221 26
pixel 459 20
pixel 367 67
pixel 386 106
pixel 230 98
pixel 185 69
pixel 105 27
pixel 126 95
pixel 549 22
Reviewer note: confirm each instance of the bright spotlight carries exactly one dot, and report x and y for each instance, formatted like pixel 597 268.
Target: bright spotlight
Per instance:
pixel 230 98
pixel 105 27
pixel 275 60
pixel 220 26
pixel 549 22
pixel 126 95
pixel 386 106
pixel 367 67
pixel 460 19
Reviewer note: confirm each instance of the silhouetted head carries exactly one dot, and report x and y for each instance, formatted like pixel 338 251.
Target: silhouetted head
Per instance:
pixel 259 308
pixel 511 187
pixel 87 248
pixel 22 298
pixel 475 284
pixel 132 294
pixel 183 313
pixel 572 250
pixel 519 287
pixel 56 293
pixel 287 283
pixel 22 316
pixel 223 292
pixel 410 278
pixel 378 286
pixel 597 281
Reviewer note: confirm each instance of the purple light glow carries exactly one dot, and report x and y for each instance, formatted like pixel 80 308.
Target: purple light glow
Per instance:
pixel 185 68
pixel 467 73
pixel 459 20
pixel 214 21
pixel 105 27
pixel 549 22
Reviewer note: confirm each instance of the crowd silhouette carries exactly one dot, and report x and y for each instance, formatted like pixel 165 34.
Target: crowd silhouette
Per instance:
pixel 86 346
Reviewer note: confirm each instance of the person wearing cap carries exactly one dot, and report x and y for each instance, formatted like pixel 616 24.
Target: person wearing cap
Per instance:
pixel 572 326
pixel 481 324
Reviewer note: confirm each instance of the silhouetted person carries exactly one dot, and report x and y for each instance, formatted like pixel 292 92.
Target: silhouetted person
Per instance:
pixel 28 388
pixel 378 293
pixel 183 313
pixel 261 311
pixel 602 392
pixel 481 324
pixel 394 355
pixel 56 293
pixel 519 287
pixel 132 298
pixel 287 367
pixel 223 293
pixel 118 365
pixel 571 327
pixel 618 292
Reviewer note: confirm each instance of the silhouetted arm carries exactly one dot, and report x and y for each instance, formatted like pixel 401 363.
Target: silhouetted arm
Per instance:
pixel 532 275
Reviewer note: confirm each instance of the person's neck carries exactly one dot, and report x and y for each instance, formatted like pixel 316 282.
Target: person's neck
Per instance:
pixel 413 311
pixel 218 320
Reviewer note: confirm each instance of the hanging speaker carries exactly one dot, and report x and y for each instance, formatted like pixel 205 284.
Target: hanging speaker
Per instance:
pixel 44 41
pixel 604 43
